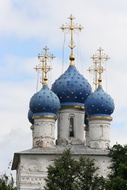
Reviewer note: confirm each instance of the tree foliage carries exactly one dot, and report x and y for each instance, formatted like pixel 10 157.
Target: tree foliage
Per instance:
pixel 7 182
pixel 69 174
pixel 117 179
pixel 87 177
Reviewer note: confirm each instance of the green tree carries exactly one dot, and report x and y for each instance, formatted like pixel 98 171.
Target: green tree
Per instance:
pixel 117 179
pixel 7 182
pixel 87 177
pixel 61 175
pixel 69 174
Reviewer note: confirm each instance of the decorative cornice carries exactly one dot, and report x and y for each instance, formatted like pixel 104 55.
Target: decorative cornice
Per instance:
pixel 100 117
pixel 44 116
pixel 72 107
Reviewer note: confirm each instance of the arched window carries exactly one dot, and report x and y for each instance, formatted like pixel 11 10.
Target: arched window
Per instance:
pixel 71 127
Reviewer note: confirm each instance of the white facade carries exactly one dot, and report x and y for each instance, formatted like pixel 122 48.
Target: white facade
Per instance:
pixel 31 165
pixel 31 172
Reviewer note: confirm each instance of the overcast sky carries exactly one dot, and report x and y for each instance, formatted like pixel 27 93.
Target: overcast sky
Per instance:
pixel 26 27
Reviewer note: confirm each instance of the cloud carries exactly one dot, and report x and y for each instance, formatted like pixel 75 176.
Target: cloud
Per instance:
pixel 14 141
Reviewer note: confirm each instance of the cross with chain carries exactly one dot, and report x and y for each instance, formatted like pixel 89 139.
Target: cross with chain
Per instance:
pixel 98 59
pixel 44 67
pixel 71 27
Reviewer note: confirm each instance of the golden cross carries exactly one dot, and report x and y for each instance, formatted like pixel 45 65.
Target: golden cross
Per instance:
pixel 71 27
pixel 94 70
pixel 98 69
pixel 44 67
pixel 101 57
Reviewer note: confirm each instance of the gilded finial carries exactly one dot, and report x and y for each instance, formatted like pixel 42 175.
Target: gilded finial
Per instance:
pixel 71 27
pixel 98 69
pixel 44 67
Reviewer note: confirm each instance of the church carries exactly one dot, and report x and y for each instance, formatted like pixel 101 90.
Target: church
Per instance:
pixel 81 115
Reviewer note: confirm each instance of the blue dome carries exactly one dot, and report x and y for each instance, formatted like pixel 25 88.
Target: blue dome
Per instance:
pixel 44 102
pixel 30 117
pixel 71 87
pixel 99 103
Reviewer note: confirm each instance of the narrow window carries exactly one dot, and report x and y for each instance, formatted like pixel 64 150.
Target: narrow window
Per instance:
pixel 71 127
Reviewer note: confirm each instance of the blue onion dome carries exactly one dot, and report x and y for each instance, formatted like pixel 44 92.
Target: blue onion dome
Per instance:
pixel 72 88
pixel 44 103
pixel 99 103
pixel 30 116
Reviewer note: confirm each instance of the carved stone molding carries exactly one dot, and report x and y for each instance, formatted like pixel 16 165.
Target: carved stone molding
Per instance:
pixel 43 142
pixel 32 166
pixel 70 140
pixel 99 144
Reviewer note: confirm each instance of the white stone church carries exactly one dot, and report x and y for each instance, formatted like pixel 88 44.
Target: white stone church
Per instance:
pixel 82 115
